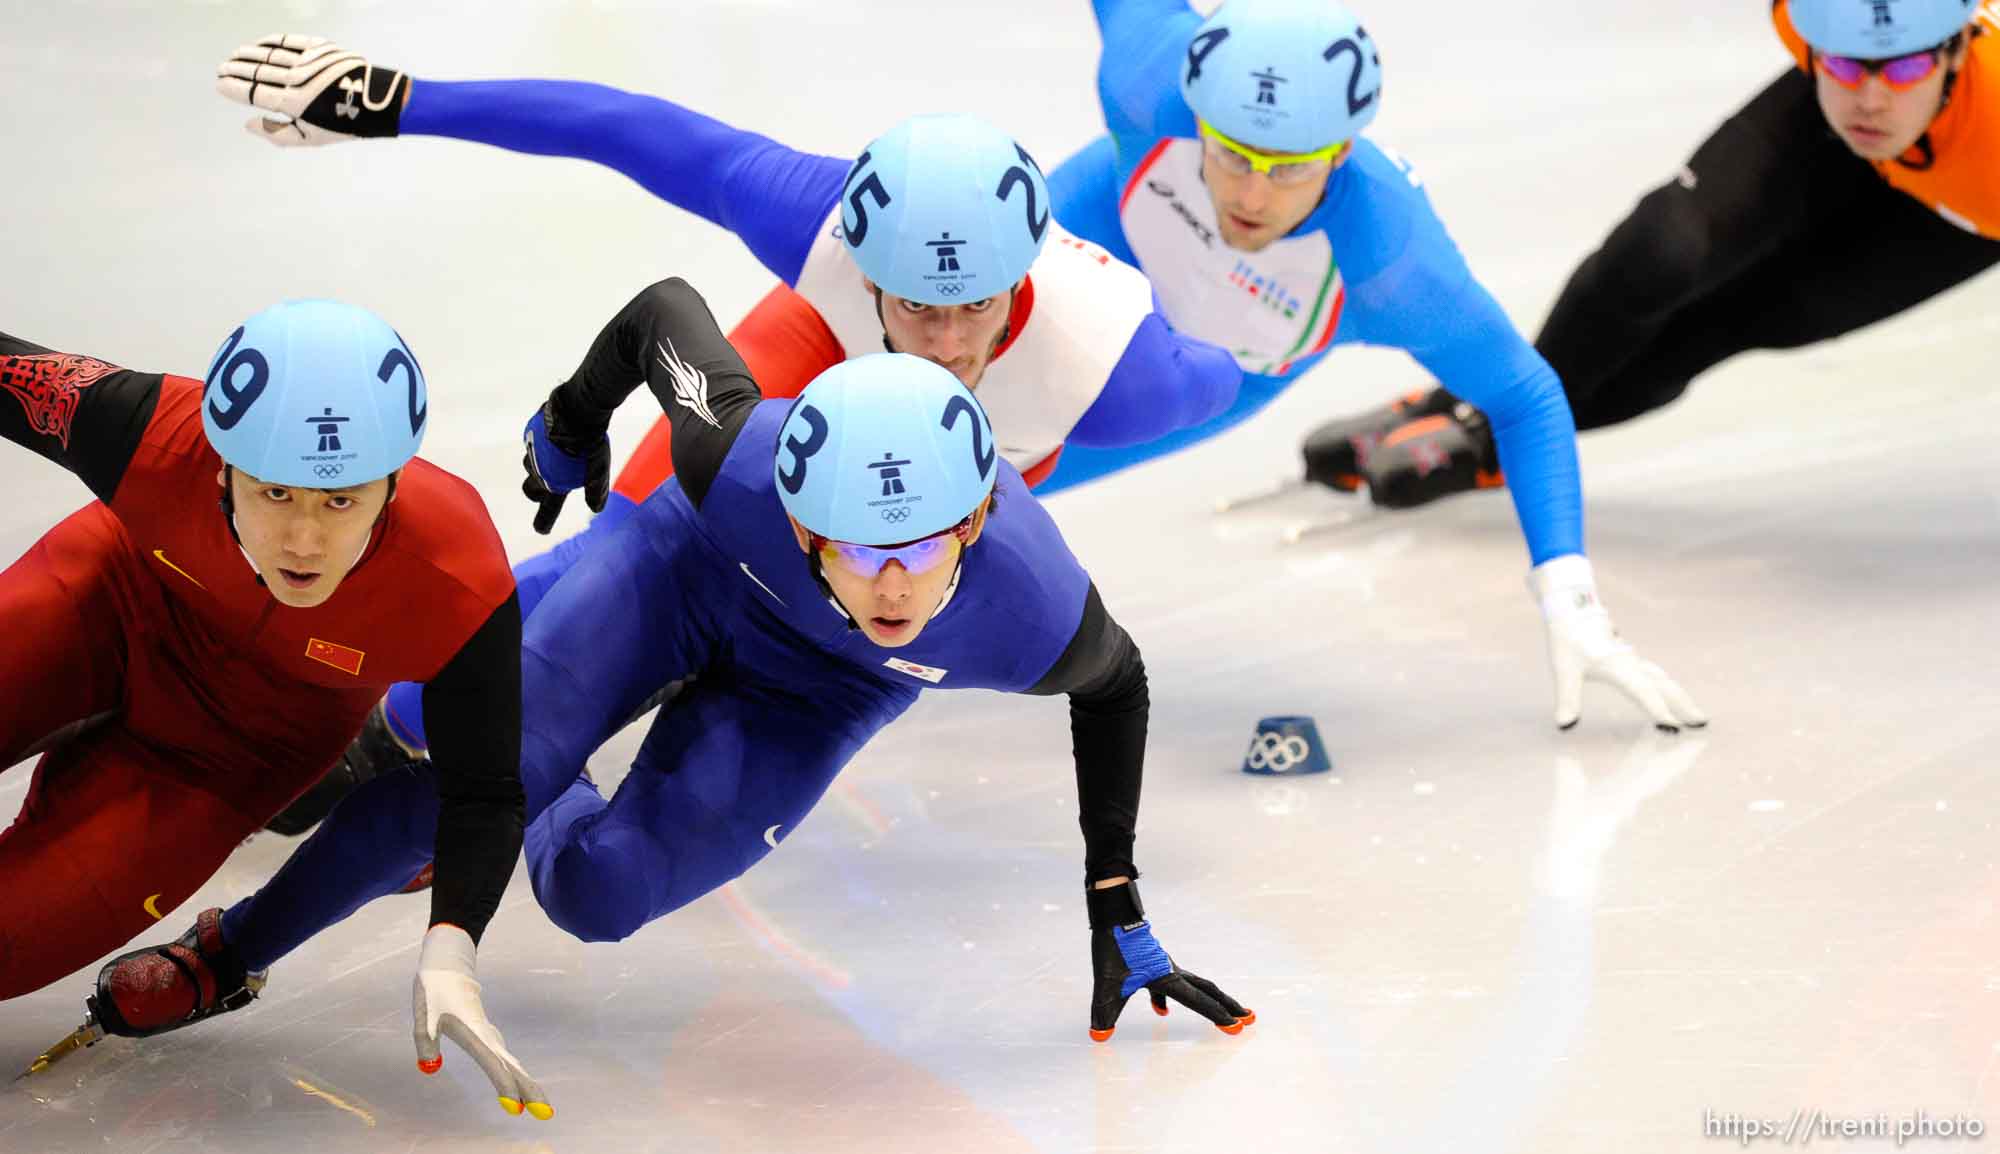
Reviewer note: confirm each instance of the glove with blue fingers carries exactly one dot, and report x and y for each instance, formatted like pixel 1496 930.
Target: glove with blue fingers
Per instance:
pixel 1127 958
pixel 563 454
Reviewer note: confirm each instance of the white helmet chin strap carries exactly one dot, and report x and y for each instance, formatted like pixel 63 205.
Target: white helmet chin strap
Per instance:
pixel 950 590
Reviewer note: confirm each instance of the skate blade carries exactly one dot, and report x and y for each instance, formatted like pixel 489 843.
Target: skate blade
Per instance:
pixel 80 1038
pixel 1261 496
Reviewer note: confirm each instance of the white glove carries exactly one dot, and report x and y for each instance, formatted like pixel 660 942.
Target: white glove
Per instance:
pixel 326 93
pixel 446 1000
pixel 1585 646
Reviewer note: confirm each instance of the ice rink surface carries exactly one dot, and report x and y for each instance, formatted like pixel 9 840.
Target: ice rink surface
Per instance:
pixel 1476 935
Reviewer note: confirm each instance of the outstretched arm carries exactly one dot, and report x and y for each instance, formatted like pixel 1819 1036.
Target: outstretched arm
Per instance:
pixel 1164 382
pixel 472 714
pixel 1105 679
pixel 81 413
pixel 1108 706
pixel 774 198
pixel 1138 76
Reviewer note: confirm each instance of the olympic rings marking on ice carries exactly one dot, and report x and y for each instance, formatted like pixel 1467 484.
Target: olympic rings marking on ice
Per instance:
pixel 1276 751
pixel 328 472
pixel 896 513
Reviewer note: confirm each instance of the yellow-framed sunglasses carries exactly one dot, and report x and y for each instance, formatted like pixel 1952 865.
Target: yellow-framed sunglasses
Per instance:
pixel 1242 160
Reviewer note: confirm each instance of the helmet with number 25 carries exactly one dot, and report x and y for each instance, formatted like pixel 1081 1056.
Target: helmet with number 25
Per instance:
pixel 315 394
pixel 885 448
pixel 1286 76
pixel 944 210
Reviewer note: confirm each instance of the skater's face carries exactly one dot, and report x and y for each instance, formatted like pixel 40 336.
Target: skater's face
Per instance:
pixel 1879 115
pixel 893 604
pixel 1260 197
pixel 303 541
pixel 962 338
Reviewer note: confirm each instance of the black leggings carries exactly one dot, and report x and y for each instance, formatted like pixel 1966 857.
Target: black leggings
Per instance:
pixel 1775 236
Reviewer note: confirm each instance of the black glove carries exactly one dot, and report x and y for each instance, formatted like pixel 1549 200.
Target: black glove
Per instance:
pixel 562 454
pixel 1126 957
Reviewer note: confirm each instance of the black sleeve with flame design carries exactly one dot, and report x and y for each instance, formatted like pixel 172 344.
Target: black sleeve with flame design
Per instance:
pixel 81 413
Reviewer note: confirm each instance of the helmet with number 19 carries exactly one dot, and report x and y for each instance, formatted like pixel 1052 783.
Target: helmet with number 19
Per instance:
pixel 315 394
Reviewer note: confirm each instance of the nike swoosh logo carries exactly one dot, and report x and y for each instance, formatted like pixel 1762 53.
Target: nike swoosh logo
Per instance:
pixel 745 566
pixel 160 555
pixel 770 839
pixel 150 908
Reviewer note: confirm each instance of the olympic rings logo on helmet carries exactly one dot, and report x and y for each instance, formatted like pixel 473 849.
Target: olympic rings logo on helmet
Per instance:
pixel 950 288
pixel 896 514
pixel 328 472
pixel 1277 752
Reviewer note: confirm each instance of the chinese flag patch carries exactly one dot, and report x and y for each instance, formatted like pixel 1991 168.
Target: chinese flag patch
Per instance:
pixel 339 656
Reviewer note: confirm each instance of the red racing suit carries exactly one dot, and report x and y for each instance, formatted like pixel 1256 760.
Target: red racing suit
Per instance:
pixel 177 705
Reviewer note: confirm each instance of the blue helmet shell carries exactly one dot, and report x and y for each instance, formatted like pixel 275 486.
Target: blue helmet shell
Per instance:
pixel 944 210
pixel 1284 76
pixel 884 448
pixel 1873 29
pixel 315 394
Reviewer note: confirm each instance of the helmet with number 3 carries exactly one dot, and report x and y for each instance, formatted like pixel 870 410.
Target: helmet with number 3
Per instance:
pixel 1874 29
pixel 883 449
pixel 944 210
pixel 315 395
pixel 1285 76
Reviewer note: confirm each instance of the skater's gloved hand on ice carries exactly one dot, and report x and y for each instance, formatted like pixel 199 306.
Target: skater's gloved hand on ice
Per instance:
pixel 1585 646
pixel 1127 958
pixel 447 1005
pixel 322 92
pixel 563 454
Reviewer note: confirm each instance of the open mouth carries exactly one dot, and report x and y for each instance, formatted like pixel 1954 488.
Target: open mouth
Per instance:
pixel 1245 223
pixel 297 580
pixel 890 626
pixel 1866 134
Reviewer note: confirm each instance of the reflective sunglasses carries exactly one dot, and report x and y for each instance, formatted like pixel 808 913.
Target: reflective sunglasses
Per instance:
pixel 1900 73
pixel 1240 160
pixel 919 556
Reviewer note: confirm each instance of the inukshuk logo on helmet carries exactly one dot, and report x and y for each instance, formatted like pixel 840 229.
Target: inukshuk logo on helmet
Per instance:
pixel 896 497
pixel 947 252
pixel 946 248
pixel 328 459
pixel 1264 112
pixel 1267 85
pixel 1883 17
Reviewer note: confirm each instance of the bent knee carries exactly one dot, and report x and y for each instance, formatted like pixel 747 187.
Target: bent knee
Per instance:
pixel 598 921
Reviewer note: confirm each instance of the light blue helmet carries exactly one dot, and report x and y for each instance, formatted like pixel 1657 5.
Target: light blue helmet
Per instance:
pixel 1873 29
pixel 944 210
pixel 316 395
pixel 883 449
pixel 1283 75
